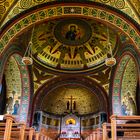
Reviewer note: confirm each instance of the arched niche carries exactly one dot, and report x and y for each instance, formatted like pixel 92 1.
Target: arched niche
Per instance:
pixel 128 88
pixel 125 84
pixel 13 86
pixel 17 83
pixel 66 82
pixel 71 97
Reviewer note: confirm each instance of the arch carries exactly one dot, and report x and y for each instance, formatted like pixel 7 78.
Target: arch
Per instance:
pixel 44 12
pixel 13 86
pixel 122 5
pixel 126 55
pixel 25 80
pixel 66 80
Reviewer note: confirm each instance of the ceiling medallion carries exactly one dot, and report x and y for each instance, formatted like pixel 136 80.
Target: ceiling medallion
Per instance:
pixel 72 32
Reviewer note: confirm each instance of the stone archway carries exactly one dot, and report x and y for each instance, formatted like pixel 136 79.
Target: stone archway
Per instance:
pixel 24 80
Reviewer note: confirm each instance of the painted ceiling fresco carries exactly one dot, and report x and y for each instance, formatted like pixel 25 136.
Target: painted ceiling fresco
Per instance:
pixel 71 45
pixel 10 8
pixel 85 100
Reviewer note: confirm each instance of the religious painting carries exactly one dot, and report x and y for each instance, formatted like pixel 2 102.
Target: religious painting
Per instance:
pixel 69 99
pixel 73 32
pixel 128 106
pixel 72 44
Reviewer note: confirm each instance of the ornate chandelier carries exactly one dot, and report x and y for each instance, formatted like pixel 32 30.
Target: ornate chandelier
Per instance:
pixel 27 58
pixel 109 61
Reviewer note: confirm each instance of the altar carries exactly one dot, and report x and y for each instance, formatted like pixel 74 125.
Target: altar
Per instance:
pixel 70 127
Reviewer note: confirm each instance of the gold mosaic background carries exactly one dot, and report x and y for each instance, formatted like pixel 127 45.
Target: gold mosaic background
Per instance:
pixel 129 84
pixel 130 78
pixel 56 100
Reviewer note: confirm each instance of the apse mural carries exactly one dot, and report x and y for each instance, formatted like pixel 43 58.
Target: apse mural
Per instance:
pixel 71 45
pixel 128 90
pixel 70 99
pixel 13 82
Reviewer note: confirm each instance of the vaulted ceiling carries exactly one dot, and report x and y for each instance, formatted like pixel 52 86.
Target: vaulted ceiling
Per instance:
pixel 70 40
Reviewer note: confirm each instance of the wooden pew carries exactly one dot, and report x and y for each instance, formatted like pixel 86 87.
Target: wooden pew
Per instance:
pixel 29 133
pixel 125 127
pixel 40 136
pixel 95 135
pixel 10 130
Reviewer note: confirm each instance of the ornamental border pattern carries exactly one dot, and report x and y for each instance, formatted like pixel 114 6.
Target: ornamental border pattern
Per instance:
pixel 23 5
pixel 25 97
pixel 54 12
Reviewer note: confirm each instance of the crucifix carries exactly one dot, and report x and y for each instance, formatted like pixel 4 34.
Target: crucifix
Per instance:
pixel 72 104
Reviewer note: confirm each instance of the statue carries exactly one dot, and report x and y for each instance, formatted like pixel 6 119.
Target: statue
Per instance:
pixel 74 105
pixel 68 105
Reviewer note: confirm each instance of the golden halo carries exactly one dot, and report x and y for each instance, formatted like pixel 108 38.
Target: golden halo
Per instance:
pixel 73 25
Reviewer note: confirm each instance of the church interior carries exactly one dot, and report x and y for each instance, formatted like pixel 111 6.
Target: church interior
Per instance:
pixel 69 69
